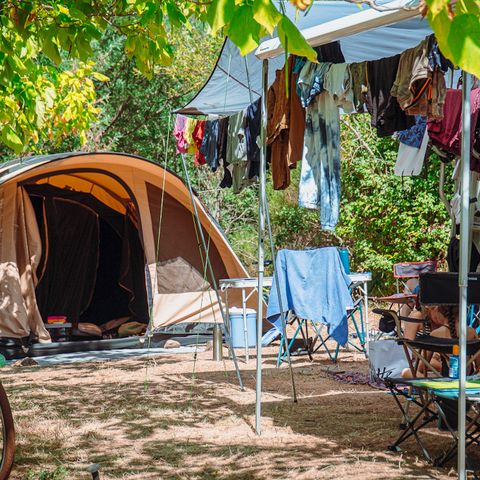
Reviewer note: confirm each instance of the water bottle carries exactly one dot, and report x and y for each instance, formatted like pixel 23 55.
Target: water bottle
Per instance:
pixel 454 359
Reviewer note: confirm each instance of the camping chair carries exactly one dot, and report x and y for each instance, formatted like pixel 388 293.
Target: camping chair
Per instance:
pixel 402 272
pixel 357 340
pixel 438 288
pixel 436 400
pixel 419 350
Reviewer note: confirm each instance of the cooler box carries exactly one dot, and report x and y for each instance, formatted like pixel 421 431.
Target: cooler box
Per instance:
pixel 238 328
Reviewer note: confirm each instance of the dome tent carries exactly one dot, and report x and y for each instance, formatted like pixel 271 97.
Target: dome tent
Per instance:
pixel 100 236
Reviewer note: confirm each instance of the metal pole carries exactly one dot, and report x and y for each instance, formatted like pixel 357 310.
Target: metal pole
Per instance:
pixel 245 329
pixel 367 322
pixel 210 270
pixel 261 251
pixel 279 294
pixel 463 268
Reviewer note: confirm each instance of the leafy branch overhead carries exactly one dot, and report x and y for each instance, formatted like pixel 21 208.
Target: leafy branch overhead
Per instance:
pixel 38 36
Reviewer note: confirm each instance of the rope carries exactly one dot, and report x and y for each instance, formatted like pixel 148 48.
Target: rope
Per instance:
pixel 154 284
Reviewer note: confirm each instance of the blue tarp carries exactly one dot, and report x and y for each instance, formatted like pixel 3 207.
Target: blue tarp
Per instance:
pixel 314 285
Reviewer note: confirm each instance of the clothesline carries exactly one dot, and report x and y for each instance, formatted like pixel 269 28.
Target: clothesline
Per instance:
pixel 403 94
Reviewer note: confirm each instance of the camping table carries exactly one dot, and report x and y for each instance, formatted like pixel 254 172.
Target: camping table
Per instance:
pixel 243 284
pixel 359 280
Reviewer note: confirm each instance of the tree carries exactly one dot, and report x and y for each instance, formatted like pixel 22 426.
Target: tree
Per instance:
pixel 37 35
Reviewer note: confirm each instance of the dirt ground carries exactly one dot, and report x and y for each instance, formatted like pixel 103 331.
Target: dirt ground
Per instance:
pixel 180 417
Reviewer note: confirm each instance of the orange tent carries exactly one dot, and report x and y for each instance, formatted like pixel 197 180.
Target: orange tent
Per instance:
pixel 97 236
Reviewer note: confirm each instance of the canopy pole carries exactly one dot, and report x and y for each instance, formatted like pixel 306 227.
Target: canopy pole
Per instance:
pixel 279 296
pixel 210 270
pixel 261 248
pixel 463 268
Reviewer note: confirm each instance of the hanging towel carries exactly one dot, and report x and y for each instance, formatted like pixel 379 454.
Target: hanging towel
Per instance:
pixel 314 285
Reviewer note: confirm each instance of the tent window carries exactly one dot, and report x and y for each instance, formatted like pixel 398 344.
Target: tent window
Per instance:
pixel 176 237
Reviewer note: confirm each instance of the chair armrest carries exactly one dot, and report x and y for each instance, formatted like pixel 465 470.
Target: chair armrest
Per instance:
pixel 414 320
pixel 391 313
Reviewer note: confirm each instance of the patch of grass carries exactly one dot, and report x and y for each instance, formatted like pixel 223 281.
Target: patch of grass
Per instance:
pixel 60 473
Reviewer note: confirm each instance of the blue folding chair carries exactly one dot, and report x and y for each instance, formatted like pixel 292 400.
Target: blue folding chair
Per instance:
pixel 355 316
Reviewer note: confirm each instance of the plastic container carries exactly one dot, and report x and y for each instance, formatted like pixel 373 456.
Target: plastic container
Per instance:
pixel 454 362
pixel 238 328
pixel 345 259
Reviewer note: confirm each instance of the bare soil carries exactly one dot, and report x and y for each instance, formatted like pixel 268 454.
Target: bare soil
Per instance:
pixel 183 416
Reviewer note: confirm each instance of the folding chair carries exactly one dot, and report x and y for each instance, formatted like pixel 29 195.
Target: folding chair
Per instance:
pixel 402 272
pixel 328 263
pixel 435 399
pixel 354 315
pixel 439 288
pixel 419 350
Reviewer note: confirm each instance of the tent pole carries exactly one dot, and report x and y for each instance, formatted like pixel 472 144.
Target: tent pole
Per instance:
pixel 210 270
pixel 464 267
pixel 261 248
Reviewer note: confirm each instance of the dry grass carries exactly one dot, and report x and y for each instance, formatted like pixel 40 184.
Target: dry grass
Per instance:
pixel 153 419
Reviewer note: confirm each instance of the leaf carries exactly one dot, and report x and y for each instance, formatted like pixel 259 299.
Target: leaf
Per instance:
pixel 293 41
pixel 464 41
pixel 51 50
pixel 220 13
pixel 176 17
pixel 11 139
pixel 440 24
pixel 243 30
pixel 265 13
pixel 49 96
pixel 100 77
pixel 40 111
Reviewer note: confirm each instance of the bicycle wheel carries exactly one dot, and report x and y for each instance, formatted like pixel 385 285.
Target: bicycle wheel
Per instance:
pixel 7 435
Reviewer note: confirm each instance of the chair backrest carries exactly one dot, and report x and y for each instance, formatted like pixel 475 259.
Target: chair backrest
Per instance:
pixel 407 270
pixel 441 288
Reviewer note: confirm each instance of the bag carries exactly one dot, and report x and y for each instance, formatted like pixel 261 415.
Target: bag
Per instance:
pixel 385 359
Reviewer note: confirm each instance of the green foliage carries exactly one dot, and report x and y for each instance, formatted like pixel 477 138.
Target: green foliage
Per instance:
pixel 59 473
pixel 457 28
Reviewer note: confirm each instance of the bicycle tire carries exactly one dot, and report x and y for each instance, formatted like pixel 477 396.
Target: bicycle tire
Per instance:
pixel 8 434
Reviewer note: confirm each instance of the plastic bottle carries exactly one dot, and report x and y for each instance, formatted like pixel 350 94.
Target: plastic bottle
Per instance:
pixel 453 371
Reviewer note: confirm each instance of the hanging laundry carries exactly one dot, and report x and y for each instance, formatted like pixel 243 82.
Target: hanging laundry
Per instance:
pixel 237 158
pixel 446 134
pixel 413 136
pixel 436 58
pixel 412 149
pixel 419 89
pixel 311 81
pixel 387 116
pixel 197 136
pixel 190 125
pixel 320 176
pixel 358 75
pixel 209 148
pixel 253 125
pixel 338 83
pixel 285 127
pixel 178 133
pixel 222 143
pixel 328 53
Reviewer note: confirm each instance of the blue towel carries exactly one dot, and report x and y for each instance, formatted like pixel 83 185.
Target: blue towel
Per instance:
pixel 314 285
